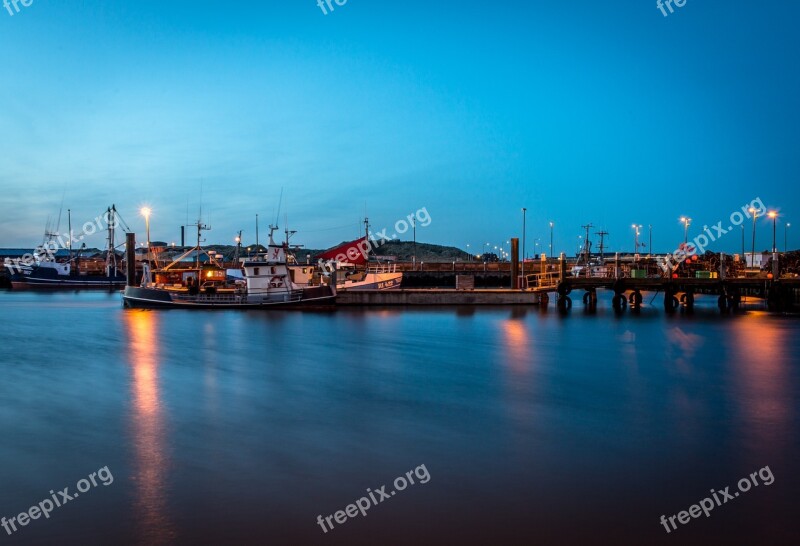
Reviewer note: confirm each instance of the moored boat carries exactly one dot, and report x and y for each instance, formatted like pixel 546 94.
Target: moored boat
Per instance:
pixel 74 274
pixel 353 270
pixel 266 284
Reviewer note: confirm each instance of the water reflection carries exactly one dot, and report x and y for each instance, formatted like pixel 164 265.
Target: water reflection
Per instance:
pixel 517 345
pixel 682 348
pixel 147 429
pixel 763 379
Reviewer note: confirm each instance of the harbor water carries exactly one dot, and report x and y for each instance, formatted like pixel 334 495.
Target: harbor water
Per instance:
pixel 238 427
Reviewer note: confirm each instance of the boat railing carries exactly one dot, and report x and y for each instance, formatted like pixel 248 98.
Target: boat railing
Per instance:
pixel 378 269
pixel 211 298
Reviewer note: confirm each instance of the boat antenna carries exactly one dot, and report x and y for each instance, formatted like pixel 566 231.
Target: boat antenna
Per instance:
pixel 587 244
pixel 280 202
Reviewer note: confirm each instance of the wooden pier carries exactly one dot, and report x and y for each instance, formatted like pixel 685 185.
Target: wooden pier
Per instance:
pixel 779 294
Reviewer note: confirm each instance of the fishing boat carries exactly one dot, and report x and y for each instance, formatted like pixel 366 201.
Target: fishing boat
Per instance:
pixel 266 284
pixel 350 261
pixel 76 273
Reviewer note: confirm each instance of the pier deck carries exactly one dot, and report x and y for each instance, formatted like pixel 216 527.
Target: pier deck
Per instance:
pixel 436 296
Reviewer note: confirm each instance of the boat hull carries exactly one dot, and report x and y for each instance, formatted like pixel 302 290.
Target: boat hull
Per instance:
pixel 135 297
pixel 375 281
pixel 48 280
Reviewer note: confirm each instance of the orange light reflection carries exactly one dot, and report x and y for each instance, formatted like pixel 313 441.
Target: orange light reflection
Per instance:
pixel 147 427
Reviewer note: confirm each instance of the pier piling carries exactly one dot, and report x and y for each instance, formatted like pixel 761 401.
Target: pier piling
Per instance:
pixel 130 258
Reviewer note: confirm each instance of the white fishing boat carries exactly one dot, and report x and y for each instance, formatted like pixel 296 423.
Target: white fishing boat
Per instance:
pixel 266 283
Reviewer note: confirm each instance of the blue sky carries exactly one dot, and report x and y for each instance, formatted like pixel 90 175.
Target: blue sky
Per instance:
pixel 602 112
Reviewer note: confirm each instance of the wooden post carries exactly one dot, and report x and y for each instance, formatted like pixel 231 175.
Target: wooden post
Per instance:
pixel 514 262
pixel 130 258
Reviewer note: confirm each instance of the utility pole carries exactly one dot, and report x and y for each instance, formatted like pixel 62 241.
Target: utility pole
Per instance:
pixel 602 234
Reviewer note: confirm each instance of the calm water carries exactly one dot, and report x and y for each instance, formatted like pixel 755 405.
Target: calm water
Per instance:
pixel 235 427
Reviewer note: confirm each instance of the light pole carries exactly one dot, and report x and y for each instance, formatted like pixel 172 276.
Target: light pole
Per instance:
pixel 686 223
pixel 754 212
pixel 524 218
pixel 650 241
pixel 636 228
pixel 551 240
pixel 414 225
pixel 785 229
pixel 774 215
pixel 146 213
pixel 484 250
pixel 743 255
pixel 469 254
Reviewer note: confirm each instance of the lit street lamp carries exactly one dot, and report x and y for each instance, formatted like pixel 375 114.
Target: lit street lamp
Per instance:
pixel 636 228
pixel 686 223
pixel 785 229
pixel 146 213
pixel 754 212
pixel 551 240
pixel 774 215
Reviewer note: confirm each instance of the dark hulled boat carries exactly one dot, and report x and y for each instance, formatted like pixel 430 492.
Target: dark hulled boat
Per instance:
pixel 267 284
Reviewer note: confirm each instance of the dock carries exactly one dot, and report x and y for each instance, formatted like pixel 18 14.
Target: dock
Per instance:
pixel 436 296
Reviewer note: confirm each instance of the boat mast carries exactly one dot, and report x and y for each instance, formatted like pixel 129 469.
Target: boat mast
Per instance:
pixel 69 235
pixel 238 248
pixel 586 244
pixel 366 241
pixel 111 256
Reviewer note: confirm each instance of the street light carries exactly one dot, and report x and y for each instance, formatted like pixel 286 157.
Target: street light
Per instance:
pixel 551 240
pixel 774 215
pixel 636 228
pixel 469 255
pixel 754 212
pixel 650 242
pixel 686 223
pixel 744 256
pixel 785 229
pixel 146 213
